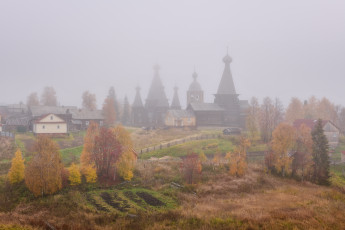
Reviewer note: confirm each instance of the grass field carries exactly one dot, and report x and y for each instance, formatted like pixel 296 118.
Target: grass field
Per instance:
pixel 209 147
pixel 71 155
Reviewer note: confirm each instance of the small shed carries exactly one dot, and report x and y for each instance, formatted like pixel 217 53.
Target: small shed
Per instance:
pixel 180 118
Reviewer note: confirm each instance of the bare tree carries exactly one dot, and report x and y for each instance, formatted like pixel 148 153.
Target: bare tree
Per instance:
pixel 267 119
pixel 89 101
pixel 32 100
pixel 49 97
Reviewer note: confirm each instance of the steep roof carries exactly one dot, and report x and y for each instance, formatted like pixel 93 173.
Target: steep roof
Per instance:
pixel 157 96
pixel 37 111
pixel 138 103
pixel 226 85
pixel 18 120
pixel 197 106
pixel 175 104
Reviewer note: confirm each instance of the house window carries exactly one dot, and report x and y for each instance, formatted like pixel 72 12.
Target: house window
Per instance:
pixel 51 117
pixel 58 126
pixel 43 127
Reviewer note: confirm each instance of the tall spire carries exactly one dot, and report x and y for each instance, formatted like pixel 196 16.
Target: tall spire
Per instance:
pixel 137 100
pixel 175 104
pixel 157 96
pixel 226 85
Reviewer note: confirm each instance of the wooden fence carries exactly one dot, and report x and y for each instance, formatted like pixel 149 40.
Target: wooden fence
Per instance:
pixel 7 134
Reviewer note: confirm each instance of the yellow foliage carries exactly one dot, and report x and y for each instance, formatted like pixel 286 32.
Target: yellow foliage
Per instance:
pixel 238 163
pixel 43 173
pixel 125 165
pixel 74 175
pixel 90 174
pixel 283 140
pixel 89 140
pixel 16 173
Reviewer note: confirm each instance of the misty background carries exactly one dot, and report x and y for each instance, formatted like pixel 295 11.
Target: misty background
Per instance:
pixel 279 48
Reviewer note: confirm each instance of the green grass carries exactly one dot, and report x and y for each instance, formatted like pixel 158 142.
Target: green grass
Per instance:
pixel 209 147
pixel 71 155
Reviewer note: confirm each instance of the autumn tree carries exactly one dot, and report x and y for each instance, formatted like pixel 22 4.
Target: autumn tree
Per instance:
pixel 294 111
pixel 16 173
pixel 126 112
pixel 283 140
pixel 109 111
pixel 326 110
pixel 320 155
pixel 43 172
pixel 191 166
pixel 278 114
pixel 89 142
pixel 266 122
pixel 252 120
pixel 48 97
pixel 125 165
pixel 310 108
pixel 74 175
pixel 112 95
pixel 302 159
pixel 238 161
pixel 89 101
pixel 106 152
pixel 90 174
pixel 32 100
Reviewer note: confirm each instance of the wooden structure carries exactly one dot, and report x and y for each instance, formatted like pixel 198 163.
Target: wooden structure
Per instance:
pixel 50 124
pixel 180 118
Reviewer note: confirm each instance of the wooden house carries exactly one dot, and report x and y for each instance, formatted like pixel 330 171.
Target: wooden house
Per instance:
pixel 50 124
pixel 81 118
pixel 331 131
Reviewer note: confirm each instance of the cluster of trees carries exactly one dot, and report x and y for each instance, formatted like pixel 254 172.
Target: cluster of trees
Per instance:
pixel 263 118
pixel 48 98
pixel 301 153
pixel 107 153
pixel 235 160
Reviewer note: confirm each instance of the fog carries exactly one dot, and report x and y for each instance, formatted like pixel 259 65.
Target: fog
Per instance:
pixel 279 48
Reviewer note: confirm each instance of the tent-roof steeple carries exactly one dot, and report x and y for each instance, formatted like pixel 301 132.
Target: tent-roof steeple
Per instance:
pixel 175 104
pixel 226 85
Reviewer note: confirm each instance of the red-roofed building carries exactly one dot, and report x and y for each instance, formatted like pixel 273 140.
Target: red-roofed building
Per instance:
pixel 331 131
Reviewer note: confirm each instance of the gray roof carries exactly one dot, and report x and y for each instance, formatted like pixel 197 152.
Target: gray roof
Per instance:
pixel 85 114
pixel 138 103
pixel 37 111
pixel 181 113
pixel 157 96
pixel 195 86
pixel 197 106
pixel 19 120
pixel 175 104
pixel 226 85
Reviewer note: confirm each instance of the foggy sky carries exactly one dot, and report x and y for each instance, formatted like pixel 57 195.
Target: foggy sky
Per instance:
pixel 279 48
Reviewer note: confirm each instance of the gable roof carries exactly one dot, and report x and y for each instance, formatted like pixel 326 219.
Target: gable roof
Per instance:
pixel 18 120
pixel 40 110
pixel 311 123
pixel 197 106
pixel 157 96
pixel 39 119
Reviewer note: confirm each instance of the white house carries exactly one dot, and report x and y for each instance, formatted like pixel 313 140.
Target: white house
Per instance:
pixel 50 124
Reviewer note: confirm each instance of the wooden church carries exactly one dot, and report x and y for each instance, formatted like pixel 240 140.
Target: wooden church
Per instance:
pixel 226 110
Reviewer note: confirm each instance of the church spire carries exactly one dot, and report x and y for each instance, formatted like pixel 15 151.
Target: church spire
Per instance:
pixel 175 104
pixel 226 85
pixel 137 100
pixel 157 96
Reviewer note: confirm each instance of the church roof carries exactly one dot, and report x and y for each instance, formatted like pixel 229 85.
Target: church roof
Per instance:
pixel 198 106
pixel 195 86
pixel 226 85
pixel 137 100
pixel 175 104
pixel 157 96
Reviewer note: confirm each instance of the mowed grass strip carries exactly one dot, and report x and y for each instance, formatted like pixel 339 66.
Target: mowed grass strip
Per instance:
pixel 71 155
pixel 209 147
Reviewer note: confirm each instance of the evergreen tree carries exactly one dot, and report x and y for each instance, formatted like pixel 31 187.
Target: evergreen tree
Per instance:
pixel 126 112
pixel 320 155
